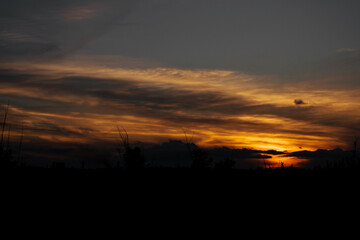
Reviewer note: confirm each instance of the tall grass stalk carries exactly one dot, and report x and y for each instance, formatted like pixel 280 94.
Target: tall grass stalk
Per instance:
pixel 6 111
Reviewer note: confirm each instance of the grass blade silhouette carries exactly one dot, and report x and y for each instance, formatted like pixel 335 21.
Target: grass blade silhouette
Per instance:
pixel 4 124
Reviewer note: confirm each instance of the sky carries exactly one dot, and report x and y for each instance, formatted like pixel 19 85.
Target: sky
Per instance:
pixel 256 74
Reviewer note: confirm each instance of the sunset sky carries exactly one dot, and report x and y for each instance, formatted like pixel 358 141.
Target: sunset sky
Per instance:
pixel 279 75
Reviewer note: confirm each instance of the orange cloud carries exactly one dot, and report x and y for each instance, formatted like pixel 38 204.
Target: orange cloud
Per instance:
pixel 224 108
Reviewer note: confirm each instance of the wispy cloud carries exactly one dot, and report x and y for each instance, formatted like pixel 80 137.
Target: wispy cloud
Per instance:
pixel 7 35
pixel 80 13
pixel 343 50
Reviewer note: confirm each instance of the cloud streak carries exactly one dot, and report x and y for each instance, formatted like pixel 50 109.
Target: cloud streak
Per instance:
pixel 225 108
pixel 48 31
pixel 344 50
pixel 80 13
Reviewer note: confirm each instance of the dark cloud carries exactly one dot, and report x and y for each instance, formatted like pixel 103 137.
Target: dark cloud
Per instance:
pixel 299 102
pixel 14 77
pixel 199 108
pixel 168 104
pixel 244 158
pixel 38 30
pixel 321 157
pixel 272 39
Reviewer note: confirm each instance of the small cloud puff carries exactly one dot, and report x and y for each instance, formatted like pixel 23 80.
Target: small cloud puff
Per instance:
pixel 299 102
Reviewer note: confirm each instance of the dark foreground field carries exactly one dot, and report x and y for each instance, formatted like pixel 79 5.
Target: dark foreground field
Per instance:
pixel 176 191
pixel 167 176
